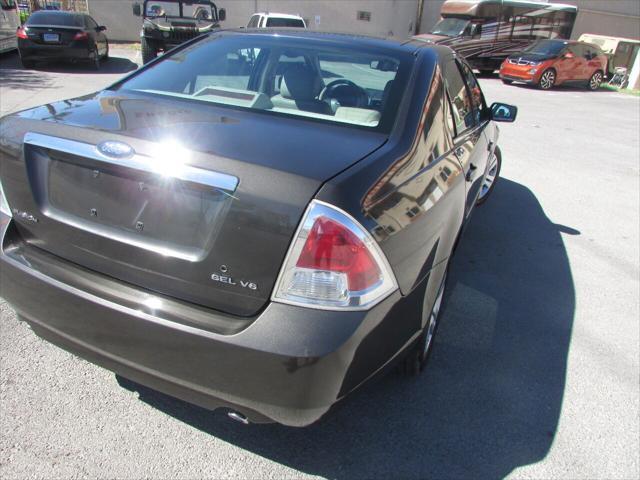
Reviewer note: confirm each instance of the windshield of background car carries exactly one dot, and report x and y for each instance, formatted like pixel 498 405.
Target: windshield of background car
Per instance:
pixel 201 11
pixel 58 19
pixel 451 27
pixel 284 22
pixel 546 47
pixel 275 74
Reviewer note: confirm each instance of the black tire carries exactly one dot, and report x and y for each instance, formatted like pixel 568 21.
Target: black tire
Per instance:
pixel 94 59
pixel 493 176
pixel 485 72
pixel 418 357
pixel 595 80
pixel 106 53
pixel 547 79
pixel 507 82
pixel 148 51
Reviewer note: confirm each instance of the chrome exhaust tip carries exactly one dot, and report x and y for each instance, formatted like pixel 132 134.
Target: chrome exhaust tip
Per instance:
pixel 238 417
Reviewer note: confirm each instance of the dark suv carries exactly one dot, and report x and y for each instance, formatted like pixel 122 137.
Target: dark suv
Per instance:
pixel 169 23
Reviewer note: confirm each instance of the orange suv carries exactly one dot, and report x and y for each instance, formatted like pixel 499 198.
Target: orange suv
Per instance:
pixel 548 63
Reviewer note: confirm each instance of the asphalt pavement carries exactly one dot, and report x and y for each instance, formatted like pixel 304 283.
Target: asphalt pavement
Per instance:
pixel 535 372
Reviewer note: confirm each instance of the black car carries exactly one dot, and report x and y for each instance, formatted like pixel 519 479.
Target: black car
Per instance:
pixel 51 35
pixel 259 220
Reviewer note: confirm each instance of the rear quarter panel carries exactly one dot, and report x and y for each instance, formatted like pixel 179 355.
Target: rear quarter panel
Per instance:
pixel 410 193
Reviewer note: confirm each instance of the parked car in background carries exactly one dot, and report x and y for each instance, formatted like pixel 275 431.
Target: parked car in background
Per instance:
pixel 277 20
pixel 169 23
pixel 486 32
pixel 549 63
pixel 51 35
pixel 272 231
pixel 9 22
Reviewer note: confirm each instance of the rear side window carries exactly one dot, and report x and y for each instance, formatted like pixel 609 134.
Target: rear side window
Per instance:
pixel 56 19
pixel 253 23
pixel 461 103
pixel 284 22
pixel 477 99
pixel 91 23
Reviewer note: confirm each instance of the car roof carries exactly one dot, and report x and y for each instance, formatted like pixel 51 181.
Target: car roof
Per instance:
pixel 57 12
pixel 279 15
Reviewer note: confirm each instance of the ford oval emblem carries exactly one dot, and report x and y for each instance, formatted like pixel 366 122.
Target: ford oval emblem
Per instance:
pixel 114 149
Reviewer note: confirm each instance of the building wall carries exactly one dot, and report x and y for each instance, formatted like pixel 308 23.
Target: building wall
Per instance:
pixel 430 14
pixel 118 17
pixel 618 18
pixel 394 18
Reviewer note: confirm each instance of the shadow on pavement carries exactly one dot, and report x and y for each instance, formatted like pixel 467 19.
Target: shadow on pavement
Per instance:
pixel 490 399
pixel 13 74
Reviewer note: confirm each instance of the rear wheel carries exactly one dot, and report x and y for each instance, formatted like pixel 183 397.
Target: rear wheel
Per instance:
pixel 148 51
pixel 490 179
pixel 595 81
pixel 507 82
pixel 106 53
pixel 547 79
pixel 95 59
pixel 417 359
pixel 486 72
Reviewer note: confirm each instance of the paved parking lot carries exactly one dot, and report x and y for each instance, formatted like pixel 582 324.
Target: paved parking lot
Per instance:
pixel 535 372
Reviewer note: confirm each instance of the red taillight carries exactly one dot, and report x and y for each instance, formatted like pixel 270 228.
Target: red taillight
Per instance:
pixel 331 247
pixel 81 36
pixel 333 263
pixel 22 33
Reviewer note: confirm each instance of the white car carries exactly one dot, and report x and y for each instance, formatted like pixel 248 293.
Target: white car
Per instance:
pixel 266 19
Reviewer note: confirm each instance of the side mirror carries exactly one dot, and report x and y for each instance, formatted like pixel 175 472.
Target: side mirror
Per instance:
pixel 102 28
pixel 569 55
pixel 137 11
pixel 222 15
pixel 501 112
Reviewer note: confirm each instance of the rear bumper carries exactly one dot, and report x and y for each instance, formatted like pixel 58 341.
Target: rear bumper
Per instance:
pixel 35 51
pixel 290 365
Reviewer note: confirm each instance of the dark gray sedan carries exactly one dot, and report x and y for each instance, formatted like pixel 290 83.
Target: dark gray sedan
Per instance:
pixel 259 220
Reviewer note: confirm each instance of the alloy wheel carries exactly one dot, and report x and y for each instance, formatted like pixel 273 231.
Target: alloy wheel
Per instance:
pixel 596 80
pixel 490 177
pixel 433 319
pixel 547 79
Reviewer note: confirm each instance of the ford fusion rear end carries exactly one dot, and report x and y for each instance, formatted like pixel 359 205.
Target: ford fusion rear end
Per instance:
pixel 185 227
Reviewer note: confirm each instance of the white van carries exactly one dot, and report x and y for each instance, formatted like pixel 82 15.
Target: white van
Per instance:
pixel 9 23
pixel 267 19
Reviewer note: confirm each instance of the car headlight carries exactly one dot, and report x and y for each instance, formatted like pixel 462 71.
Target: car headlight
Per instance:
pixel 4 205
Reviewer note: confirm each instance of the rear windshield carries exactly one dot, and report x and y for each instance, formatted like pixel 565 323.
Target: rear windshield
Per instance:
pixel 54 18
pixel 282 75
pixel 284 22
pixel 546 47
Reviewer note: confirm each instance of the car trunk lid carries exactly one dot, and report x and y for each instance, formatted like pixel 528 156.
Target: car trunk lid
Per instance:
pixel 202 209
pixel 52 34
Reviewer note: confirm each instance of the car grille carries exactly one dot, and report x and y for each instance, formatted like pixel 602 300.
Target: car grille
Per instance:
pixel 182 34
